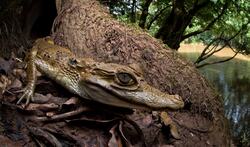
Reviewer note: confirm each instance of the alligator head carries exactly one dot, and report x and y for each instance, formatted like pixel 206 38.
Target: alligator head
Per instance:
pixel 123 86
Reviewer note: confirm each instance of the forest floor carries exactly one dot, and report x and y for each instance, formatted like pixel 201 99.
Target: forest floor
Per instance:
pixel 57 118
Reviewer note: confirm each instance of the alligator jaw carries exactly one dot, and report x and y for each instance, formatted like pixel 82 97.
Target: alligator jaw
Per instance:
pixel 155 99
pixel 145 97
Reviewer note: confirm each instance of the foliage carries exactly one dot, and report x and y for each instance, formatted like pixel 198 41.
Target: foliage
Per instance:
pixel 236 18
pixel 11 38
pixel 210 20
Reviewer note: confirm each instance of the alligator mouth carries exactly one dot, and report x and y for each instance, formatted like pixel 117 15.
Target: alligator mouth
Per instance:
pixel 108 96
pixel 142 99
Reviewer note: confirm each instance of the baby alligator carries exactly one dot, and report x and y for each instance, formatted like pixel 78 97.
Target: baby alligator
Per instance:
pixel 107 83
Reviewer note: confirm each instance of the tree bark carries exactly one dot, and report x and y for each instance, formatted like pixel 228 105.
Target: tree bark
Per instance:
pixel 88 30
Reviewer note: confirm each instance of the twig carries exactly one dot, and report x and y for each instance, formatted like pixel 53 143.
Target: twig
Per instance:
pixel 61 116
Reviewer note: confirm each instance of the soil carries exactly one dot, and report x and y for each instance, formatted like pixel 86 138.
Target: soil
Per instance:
pixel 59 118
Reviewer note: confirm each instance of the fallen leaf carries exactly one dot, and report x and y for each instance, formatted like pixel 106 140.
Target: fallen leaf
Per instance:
pixel 6 66
pixel 147 121
pixel 40 98
pixel 115 140
pixel 128 144
pixel 166 119
pixel 6 142
pixel 168 122
pixel 16 84
pixel 43 136
pixel 4 82
pixel 19 73
pixel 70 103
pixel 174 131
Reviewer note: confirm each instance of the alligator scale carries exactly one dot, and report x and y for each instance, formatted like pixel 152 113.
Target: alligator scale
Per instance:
pixel 107 83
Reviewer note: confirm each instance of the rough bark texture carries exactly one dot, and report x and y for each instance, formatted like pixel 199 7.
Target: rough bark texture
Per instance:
pixel 85 27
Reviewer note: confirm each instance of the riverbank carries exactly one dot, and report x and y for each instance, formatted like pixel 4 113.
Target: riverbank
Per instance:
pixel 198 47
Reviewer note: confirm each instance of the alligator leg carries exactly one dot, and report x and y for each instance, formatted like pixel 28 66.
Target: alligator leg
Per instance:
pixel 31 78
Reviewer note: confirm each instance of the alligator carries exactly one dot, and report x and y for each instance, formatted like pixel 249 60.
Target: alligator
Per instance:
pixel 108 83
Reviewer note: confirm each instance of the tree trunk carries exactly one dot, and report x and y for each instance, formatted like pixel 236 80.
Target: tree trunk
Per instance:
pixel 85 27
pixel 174 25
pixel 144 14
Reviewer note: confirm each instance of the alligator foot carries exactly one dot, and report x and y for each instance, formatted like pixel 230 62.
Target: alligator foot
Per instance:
pixel 28 95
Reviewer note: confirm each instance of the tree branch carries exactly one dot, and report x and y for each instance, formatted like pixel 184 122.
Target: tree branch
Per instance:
pixel 204 55
pixel 144 14
pixel 197 7
pixel 216 62
pixel 225 6
pixel 156 16
pixel 204 52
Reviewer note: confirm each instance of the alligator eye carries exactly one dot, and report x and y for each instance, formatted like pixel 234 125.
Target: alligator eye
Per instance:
pixel 125 78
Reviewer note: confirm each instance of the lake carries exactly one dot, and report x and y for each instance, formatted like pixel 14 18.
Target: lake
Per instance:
pixel 232 80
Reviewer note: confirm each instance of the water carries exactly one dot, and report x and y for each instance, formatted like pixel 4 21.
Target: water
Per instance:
pixel 232 80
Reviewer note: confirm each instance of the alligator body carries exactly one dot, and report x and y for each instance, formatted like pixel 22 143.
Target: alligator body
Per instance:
pixel 107 83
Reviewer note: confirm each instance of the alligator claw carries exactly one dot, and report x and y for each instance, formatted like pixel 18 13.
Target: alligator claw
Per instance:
pixel 28 95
